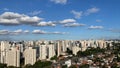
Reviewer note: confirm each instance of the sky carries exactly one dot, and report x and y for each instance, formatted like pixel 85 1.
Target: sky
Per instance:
pixel 59 19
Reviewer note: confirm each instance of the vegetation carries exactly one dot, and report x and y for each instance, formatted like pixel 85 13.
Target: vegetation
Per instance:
pixel 40 64
pixel 90 51
pixel 69 51
pixel 64 66
pixel 73 66
pixel 3 65
pixel 28 66
pixel 53 58
pixel 84 66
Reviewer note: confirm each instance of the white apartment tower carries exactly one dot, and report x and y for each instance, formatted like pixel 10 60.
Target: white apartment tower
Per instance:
pixel 4 47
pixel 59 47
pixel 43 52
pixel 13 57
pixel 30 56
pixel 75 49
pixel 51 51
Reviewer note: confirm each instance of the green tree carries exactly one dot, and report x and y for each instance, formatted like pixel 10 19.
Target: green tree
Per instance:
pixel 73 66
pixel 28 66
pixel 42 64
pixel 84 66
pixel 53 58
pixel 3 65
pixel 64 66
pixel 69 51
pixel 90 51
pixel 12 67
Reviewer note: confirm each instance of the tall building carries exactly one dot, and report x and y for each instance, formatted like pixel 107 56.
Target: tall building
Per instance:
pixel 75 49
pixel 83 45
pixel 4 47
pixel 50 51
pixel 30 56
pixel 13 57
pixel 42 51
pixel 102 44
pixel 59 47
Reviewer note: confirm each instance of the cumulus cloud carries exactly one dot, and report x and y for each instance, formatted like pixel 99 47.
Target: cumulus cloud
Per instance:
pixel 7 22
pixel 92 10
pixel 26 31
pixel 11 18
pixel 65 21
pixel 49 23
pixel 11 15
pixel 45 32
pixel 39 32
pixel 59 1
pixel 95 27
pixel 4 32
pixel 35 12
pixel 57 32
pixel 29 20
pixel 20 32
pixel 8 32
pixel 16 32
pixel 77 14
pixel 73 25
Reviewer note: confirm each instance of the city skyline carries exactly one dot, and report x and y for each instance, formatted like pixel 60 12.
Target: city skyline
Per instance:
pixel 59 19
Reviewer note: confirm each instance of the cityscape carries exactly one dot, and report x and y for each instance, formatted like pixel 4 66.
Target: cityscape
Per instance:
pixel 60 54
pixel 60 34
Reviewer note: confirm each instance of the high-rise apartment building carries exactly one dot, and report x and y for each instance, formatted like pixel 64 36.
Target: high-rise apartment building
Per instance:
pixel 75 49
pixel 42 51
pixel 13 57
pixel 50 51
pixel 4 47
pixel 30 56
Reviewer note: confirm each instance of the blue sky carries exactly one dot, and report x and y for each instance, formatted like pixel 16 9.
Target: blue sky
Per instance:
pixel 59 19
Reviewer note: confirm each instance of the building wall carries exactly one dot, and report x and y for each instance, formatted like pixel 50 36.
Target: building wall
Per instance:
pixel 30 56
pixel 43 52
pixel 13 57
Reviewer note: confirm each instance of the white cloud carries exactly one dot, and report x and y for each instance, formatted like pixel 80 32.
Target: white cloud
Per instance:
pixel 65 21
pixel 95 27
pixel 77 14
pixel 11 15
pixel 49 23
pixel 4 32
pixel 73 25
pixel 35 12
pixel 57 32
pixel 39 32
pixel 20 32
pixel 8 32
pixel 11 18
pixel 29 20
pixel 9 21
pixel 26 31
pixel 92 10
pixel 59 1
pixel 45 32
pixel 16 32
